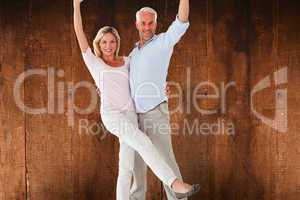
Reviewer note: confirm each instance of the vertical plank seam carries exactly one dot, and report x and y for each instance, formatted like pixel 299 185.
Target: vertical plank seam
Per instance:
pixel 28 21
pixel 209 23
pixel 71 69
pixel 161 195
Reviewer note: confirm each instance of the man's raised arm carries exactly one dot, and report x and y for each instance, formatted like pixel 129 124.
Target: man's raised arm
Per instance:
pixel 179 26
pixel 183 11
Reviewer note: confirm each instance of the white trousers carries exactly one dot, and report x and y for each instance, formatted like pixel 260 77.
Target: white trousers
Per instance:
pixel 156 124
pixel 124 125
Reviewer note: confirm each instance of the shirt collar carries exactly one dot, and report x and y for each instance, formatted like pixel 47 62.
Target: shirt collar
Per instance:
pixel 147 42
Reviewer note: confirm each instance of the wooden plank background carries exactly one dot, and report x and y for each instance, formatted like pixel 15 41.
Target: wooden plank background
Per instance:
pixel 42 157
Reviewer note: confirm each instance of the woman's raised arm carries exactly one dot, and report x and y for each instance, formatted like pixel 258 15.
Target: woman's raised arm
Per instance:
pixel 82 40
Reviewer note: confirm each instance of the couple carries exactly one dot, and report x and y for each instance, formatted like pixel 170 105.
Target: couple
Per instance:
pixel 133 100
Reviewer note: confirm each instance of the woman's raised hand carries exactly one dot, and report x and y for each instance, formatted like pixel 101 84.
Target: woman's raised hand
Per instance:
pixel 82 40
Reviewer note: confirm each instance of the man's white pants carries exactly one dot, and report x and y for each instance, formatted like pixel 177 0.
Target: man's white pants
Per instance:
pixel 124 125
pixel 156 124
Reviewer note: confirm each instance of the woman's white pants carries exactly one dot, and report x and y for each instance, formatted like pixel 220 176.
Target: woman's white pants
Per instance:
pixel 124 125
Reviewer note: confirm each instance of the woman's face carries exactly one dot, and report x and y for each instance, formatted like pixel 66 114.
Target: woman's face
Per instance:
pixel 108 44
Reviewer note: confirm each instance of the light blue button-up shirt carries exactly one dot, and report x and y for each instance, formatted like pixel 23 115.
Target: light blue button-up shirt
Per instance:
pixel 149 67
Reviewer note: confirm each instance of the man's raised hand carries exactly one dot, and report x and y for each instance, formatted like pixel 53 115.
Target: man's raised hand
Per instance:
pixel 78 1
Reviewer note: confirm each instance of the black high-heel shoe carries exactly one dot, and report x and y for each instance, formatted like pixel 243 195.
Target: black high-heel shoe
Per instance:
pixel 194 190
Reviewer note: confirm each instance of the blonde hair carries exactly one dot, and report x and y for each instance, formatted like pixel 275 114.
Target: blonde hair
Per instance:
pixel 104 30
pixel 145 9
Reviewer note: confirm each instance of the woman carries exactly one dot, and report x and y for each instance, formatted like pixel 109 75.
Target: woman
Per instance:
pixel 110 72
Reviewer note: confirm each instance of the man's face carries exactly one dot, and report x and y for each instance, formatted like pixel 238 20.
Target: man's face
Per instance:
pixel 146 26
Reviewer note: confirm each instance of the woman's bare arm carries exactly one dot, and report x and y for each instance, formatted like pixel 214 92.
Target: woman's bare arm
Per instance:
pixel 82 40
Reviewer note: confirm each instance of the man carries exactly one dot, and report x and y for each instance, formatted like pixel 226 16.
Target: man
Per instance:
pixel 148 72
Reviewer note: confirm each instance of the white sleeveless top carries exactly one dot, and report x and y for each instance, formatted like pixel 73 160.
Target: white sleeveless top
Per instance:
pixel 113 83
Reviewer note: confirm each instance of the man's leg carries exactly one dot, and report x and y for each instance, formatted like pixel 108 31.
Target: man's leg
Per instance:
pixel 157 125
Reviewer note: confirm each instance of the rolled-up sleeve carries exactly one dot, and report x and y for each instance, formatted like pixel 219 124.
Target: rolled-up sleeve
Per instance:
pixel 175 31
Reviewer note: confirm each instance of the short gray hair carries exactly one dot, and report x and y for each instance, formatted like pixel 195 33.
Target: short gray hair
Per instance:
pixel 146 9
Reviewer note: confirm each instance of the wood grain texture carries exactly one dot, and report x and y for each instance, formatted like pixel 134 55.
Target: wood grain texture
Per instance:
pixel 271 50
pixel 48 139
pixel 12 126
pixel 42 156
